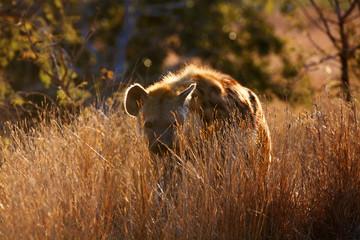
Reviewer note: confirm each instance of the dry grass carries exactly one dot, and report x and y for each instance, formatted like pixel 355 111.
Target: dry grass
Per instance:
pixel 94 178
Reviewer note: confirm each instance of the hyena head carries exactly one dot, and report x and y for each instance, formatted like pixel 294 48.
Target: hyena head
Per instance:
pixel 160 113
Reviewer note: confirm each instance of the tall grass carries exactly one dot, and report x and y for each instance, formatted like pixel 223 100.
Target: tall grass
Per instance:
pixel 93 178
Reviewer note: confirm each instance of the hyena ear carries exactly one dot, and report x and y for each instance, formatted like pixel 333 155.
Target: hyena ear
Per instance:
pixel 186 93
pixel 135 96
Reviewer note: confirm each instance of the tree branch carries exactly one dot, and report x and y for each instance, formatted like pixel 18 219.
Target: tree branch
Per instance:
pixel 312 20
pixel 324 59
pixel 349 11
pixel 17 10
pixel 308 35
pixel 325 23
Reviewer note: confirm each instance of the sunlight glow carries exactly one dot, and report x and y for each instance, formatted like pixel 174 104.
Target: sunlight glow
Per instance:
pixel 232 36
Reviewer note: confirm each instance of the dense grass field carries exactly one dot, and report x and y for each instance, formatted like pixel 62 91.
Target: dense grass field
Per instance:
pixel 93 178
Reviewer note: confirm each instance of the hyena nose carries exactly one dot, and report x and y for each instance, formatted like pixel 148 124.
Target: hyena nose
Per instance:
pixel 159 148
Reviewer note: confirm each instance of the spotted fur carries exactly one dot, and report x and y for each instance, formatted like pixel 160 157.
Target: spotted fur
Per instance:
pixel 194 94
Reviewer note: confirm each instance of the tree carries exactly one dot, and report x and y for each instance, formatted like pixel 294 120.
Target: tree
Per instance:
pixel 35 52
pixel 69 51
pixel 338 20
pixel 231 36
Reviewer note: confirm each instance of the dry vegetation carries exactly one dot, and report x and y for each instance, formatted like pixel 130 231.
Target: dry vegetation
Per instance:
pixel 93 178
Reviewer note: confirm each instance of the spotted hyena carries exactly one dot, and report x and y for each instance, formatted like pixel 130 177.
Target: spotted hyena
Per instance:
pixel 197 94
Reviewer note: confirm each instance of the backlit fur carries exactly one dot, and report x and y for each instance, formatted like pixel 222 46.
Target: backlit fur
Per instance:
pixel 213 96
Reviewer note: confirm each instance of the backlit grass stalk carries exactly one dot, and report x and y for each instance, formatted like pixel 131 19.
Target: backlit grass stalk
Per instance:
pixel 93 177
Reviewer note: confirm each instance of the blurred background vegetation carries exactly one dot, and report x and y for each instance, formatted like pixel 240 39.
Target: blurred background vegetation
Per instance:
pixel 73 52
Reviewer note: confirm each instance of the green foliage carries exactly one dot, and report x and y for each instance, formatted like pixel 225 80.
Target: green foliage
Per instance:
pixel 38 38
pixel 232 36
pixel 53 47
pixel 75 95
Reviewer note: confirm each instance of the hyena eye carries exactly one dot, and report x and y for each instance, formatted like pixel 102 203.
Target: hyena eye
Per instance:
pixel 148 125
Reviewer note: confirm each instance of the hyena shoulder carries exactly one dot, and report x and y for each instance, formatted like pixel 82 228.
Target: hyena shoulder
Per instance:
pixel 216 95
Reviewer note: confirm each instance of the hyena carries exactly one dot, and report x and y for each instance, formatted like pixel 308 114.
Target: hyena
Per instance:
pixel 197 94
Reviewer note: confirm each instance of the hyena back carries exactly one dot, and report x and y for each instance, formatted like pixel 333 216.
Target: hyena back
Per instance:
pixel 195 94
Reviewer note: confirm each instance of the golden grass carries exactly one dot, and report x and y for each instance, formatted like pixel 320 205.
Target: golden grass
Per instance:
pixel 93 178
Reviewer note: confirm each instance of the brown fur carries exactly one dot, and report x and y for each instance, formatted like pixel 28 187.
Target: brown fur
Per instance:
pixel 195 91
